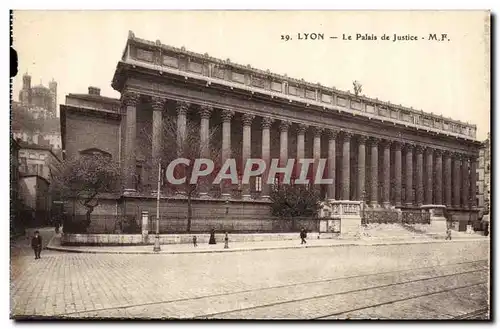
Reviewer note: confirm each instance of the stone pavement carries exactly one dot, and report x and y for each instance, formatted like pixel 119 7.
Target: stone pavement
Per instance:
pixel 55 244
pixel 433 280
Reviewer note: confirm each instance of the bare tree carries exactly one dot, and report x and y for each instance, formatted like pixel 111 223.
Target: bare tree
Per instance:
pixel 191 147
pixel 358 87
pixel 85 178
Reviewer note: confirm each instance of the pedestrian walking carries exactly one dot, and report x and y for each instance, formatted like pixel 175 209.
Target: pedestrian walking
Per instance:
pixel 448 233
pixel 303 236
pixel 194 241
pixel 212 237
pixel 36 244
pixel 226 241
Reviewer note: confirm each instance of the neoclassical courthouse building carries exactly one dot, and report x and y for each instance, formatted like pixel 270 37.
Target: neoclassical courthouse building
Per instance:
pixel 385 154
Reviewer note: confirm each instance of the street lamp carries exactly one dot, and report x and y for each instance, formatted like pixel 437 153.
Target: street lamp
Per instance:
pixel 157 247
pixel 363 206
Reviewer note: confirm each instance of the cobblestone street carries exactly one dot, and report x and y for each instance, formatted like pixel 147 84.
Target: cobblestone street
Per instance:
pixel 424 281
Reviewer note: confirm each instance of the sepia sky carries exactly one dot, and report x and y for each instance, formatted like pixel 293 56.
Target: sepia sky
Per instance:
pixel 452 78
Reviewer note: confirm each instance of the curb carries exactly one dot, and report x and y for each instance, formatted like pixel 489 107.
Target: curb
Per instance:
pixel 360 243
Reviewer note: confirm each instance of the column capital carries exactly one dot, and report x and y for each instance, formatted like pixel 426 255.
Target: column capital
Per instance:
pixel 182 107
pixel 396 144
pixel 267 122
pixel 206 111
pixel 409 146
pixel 438 152
pixel 301 128
pixel 227 115
pixel 347 135
pixel 362 139
pixel 158 103
pixel 458 155
pixel 247 119
pixel 317 131
pixel 429 150
pixel 284 125
pixel 419 149
pixel 447 153
pixel 386 143
pixel 332 134
pixel 130 98
pixel 374 140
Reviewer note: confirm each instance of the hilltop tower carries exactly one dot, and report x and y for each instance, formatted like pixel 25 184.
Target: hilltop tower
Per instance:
pixel 53 95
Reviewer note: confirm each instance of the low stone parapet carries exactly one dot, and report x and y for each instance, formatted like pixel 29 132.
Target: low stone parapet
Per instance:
pixel 139 239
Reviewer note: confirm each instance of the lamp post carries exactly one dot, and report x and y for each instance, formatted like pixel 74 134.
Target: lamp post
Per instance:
pixel 157 247
pixel 363 206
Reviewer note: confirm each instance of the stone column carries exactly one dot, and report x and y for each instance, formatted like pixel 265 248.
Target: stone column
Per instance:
pixel 361 192
pixel 316 154
pixel 386 198
pixel 472 177
pixel 130 99
pixel 420 175
pixel 438 191
pixel 374 171
pixel 409 174
pixel 429 168
pixel 158 104
pixel 465 182
pixel 205 112
pixel 301 129
pixel 397 173
pixel 346 166
pixel 226 115
pixel 457 180
pixel 447 179
pixel 266 154
pixel 332 138
pixel 284 126
pixel 247 150
pixel 182 109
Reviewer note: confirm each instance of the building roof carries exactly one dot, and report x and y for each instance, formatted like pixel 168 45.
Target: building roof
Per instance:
pixel 31 146
pixel 95 98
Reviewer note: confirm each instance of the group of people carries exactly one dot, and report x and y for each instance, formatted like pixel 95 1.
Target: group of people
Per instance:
pixel 212 239
pixel 303 236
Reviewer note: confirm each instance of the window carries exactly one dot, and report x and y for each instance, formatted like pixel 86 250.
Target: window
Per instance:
pixel 477 175
pixel 258 184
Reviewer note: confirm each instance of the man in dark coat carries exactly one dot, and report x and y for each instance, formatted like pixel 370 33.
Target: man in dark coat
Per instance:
pixel 36 244
pixel 303 236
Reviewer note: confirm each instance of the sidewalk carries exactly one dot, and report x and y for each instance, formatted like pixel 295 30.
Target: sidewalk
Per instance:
pixel 55 244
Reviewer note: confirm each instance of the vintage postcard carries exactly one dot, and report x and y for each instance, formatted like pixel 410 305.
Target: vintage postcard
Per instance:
pixel 250 165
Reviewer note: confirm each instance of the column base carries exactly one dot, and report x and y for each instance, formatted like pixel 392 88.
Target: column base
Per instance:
pixel 129 191
pixel 265 197
pixel 246 197
pixel 408 204
pixel 204 195
pixel 181 194
pixel 374 204
pixel 225 196
pixel 386 204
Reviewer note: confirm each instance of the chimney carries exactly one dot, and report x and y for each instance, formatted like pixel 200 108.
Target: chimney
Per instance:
pixel 94 91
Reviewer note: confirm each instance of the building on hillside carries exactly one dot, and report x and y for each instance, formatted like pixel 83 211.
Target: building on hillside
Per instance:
pixel 41 100
pixel 483 187
pixel 386 154
pixel 34 117
pixel 38 160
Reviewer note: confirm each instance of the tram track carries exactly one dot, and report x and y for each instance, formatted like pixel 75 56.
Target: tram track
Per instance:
pixel 164 304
